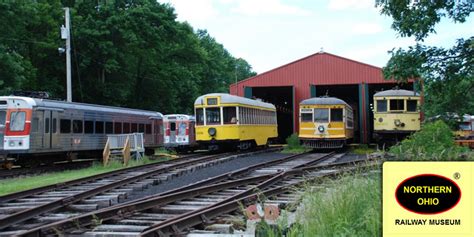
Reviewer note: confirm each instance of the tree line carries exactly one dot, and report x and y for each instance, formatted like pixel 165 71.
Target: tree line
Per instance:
pixel 130 53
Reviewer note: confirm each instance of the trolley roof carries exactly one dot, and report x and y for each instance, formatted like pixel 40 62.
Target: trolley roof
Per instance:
pixel 232 99
pixel 323 101
pixel 174 116
pixel 56 104
pixel 398 92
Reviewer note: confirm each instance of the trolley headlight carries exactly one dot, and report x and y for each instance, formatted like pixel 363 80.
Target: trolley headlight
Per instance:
pixel 321 128
pixel 212 131
pixel 11 143
pixel 397 122
pixel 380 120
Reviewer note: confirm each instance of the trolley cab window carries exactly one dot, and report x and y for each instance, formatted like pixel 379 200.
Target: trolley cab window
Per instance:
pixel 199 117
pixel 336 115
pixel 381 106
pixel 17 121
pixel 230 115
pixel 411 105
pixel 306 117
pixel 397 105
pixel 321 115
pixel 213 116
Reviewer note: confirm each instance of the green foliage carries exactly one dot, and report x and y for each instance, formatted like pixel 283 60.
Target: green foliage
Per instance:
pixel 124 53
pixel 435 141
pixel 419 19
pixel 293 141
pixel 448 74
pixel 345 208
pixel 294 145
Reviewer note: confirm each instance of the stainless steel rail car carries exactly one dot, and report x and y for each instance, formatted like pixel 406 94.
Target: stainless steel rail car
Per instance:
pixel 39 130
pixel 179 132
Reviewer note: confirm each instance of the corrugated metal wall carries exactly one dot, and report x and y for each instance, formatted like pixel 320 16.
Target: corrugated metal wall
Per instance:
pixel 316 69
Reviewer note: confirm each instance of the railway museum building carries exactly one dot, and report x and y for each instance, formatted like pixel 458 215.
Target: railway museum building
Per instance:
pixel 317 75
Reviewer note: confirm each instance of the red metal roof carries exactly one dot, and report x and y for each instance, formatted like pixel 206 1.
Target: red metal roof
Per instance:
pixel 317 69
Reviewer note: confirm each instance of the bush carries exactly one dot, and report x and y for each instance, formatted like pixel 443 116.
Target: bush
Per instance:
pixel 293 141
pixel 435 141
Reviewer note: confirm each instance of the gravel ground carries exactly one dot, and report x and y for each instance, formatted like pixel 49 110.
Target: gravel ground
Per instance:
pixel 208 172
pixel 351 156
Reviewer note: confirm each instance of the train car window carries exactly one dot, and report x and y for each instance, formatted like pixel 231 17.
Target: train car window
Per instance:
pixel 212 101
pixel 65 126
pixel 134 127
pixel 213 116
pixel 117 128
pixel 46 125
pixel 306 117
pixel 88 127
pixel 3 117
pixel 17 121
pixel 109 127
pixel 230 115
pixel 397 105
pixel 411 105
pixel 141 128
pixel 126 127
pixel 35 125
pixel 99 127
pixel 148 128
pixel 321 115
pixel 199 117
pixel 77 126
pixel 173 126
pixel 336 115
pixel 55 122
pixel 381 106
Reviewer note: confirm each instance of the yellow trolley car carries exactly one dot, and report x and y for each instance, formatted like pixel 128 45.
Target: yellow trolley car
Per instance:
pixel 226 121
pixel 325 122
pixel 396 115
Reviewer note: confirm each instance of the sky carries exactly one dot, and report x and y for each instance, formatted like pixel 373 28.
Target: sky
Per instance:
pixel 271 33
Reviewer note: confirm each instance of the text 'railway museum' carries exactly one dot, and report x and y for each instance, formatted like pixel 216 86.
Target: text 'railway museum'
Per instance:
pixel 317 75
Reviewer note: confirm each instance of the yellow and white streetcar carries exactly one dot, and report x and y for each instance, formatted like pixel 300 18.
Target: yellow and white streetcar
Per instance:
pixel 226 121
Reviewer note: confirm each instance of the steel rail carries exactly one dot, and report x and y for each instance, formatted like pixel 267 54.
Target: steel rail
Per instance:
pixel 203 215
pixel 193 187
pixel 54 205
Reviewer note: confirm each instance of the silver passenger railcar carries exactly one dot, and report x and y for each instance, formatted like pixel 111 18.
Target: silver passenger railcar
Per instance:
pixel 179 132
pixel 39 130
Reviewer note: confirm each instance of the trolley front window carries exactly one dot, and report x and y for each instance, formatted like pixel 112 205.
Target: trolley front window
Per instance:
pixel 321 115
pixel 230 115
pixel 17 121
pixel 213 116
pixel 397 105
pixel 411 105
pixel 306 117
pixel 199 117
pixel 381 106
pixel 336 115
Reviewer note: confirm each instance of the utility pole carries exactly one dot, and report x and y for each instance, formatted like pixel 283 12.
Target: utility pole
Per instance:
pixel 66 34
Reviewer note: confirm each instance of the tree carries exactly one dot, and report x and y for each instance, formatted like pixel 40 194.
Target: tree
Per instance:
pixel 448 74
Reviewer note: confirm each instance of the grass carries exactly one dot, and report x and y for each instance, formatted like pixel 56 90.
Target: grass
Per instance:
pixel 362 149
pixel 20 184
pixel 348 206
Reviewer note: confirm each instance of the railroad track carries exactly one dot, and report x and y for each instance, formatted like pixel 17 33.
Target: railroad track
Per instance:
pixel 97 191
pixel 56 167
pixel 173 211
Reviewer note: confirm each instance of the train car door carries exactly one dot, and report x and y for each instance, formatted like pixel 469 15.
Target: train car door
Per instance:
pixel 158 131
pixel 55 130
pixel 47 129
pixel 173 131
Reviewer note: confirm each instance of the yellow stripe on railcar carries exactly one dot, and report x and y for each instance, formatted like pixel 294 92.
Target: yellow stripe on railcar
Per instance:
pixel 325 122
pixel 228 121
